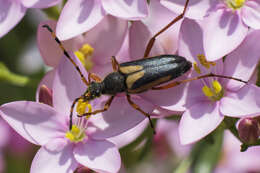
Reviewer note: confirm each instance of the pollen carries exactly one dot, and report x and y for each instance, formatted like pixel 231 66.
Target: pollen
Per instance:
pixel 82 106
pixel 215 92
pixel 196 67
pixel 235 4
pixel 204 62
pixel 75 134
pixel 84 54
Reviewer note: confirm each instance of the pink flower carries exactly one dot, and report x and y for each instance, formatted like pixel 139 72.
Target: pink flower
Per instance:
pixel 209 100
pixel 227 19
pixel 11 12
pixel 87 143
pixel 79 16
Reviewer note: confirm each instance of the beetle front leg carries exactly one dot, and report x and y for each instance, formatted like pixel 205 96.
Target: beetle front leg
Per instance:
pixel 71 110
pixel 135 106
pixel 107 105
pixel 152 40
pixel 94 77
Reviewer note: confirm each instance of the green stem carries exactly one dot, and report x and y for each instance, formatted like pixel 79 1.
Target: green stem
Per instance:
pixel 15 79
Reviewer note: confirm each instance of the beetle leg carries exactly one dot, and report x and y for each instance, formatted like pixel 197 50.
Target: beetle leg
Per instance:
pixel 94 77
pixel 107 105
pixel 176 83
pixel 135 106
pixel 66 53
pixel 152 40
pixel 115 64
pixel 71 110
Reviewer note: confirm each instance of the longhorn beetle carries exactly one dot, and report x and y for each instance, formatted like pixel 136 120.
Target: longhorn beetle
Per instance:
pixel 135 76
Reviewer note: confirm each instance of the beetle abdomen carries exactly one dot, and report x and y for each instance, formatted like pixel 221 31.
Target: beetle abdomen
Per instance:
pixel 146 73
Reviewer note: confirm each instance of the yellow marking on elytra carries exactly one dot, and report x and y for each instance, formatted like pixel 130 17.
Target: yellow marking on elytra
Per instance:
pixel 131 79
pixel 150 85
pixel 130 69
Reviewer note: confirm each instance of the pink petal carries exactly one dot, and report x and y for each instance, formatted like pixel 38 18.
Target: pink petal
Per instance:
pixel 139 37
pixel 38 123
pixel 169 38
pixel 39 3
pixel 229 31
pixel 50 161
pixel 130 135
pixel 46 80
pixel 241 62
pixel 244 102
pixel 126 9
pixel 100 155
pixel 172 99
pixel 197 9
pixel 190 42
pixel 73 22
pixel 120 117
pixel 49 48
pixel 198 121
pixel 107 38
pixel 251 14
pixel 11 12
pixel 67 85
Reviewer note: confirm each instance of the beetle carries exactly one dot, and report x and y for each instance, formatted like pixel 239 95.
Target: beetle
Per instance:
pixel 135 76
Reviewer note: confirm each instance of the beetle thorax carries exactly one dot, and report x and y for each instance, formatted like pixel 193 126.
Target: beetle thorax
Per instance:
pixel 114 83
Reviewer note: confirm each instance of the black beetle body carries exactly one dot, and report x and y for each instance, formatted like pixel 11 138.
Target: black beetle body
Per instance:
pixel 141 75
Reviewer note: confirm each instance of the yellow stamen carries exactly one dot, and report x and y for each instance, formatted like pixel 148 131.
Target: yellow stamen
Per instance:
pixel 203 61
pixel 207 91
pixel 215 92
pixel 75 134
pixel 235 4
pixel 216 86
pixel 81 107
pixel 196 67
pixel 85 56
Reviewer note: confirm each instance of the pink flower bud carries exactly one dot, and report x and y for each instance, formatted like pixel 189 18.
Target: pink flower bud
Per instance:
pixel 248 130
pixel 45 95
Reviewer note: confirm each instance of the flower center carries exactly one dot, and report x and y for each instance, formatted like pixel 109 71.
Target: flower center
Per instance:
pixel 215 90
pixel 235 4
pixel 84 54
pixel 77 132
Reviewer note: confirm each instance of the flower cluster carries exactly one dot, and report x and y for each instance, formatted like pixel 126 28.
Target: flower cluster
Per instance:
pixel 218 37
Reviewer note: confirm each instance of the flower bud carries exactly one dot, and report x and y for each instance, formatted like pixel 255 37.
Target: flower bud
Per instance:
pixel 248 130
pixel 45 95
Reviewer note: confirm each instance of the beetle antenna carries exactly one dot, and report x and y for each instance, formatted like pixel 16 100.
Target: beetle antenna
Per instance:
pixel 66 53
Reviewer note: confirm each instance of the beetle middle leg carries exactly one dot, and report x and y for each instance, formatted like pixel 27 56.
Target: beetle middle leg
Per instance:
pixel 135 106
pixel 107 105
pixel 152 40
pixel 115 64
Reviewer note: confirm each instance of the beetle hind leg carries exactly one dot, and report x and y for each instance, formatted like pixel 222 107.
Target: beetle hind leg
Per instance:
pixel 135 106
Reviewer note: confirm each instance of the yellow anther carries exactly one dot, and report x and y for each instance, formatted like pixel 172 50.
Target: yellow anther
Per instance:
pixel 84 54
pixel 235 4
pixel 87 50
pixel 81 57
pixel 207 91
pixel 216 86
pixel 75 134
pixel 196 67
pixel 81 107
pixel 203 61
